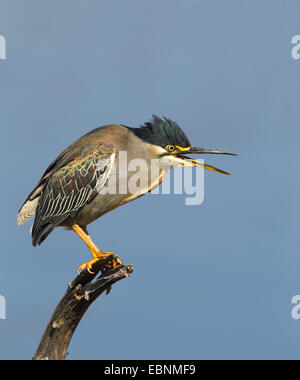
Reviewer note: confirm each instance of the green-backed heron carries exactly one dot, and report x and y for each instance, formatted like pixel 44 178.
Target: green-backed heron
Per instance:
pixel 71 191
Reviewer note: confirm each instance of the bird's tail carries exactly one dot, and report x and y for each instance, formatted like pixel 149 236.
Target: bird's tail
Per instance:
pixel 41 233
pixel 29 207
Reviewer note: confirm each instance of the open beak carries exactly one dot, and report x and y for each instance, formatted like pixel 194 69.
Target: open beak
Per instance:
pixel 187 161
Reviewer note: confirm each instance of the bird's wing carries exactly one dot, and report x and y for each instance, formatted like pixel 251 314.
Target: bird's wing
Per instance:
pixel 28 208
pixel 72 186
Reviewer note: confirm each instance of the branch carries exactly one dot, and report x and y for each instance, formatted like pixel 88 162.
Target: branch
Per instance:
pixel 72 307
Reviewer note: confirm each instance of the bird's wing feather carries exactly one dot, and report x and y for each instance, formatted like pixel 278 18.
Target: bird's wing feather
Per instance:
pixel 28 208
pixel 73 185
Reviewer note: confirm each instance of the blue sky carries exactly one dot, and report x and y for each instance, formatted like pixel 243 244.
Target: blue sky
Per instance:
pixel 213 281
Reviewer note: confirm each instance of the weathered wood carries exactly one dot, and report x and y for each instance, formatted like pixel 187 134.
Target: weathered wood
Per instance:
pixel 79 296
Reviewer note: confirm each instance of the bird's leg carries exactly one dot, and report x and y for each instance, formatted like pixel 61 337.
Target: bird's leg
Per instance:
pixel 95 251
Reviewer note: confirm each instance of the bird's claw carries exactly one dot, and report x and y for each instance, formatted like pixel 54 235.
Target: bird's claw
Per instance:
pixel 85 266
pixel 113 264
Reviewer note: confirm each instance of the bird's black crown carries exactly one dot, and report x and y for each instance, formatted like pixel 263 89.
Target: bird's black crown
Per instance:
pixel 162 131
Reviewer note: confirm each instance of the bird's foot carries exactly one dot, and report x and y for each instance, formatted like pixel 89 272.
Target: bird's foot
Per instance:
pixel 109 265
pixel 113 263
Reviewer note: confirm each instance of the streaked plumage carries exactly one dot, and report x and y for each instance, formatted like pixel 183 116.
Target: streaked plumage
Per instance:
pixel 71 187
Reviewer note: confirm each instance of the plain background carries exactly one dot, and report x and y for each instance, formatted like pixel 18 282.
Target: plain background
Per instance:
pixel 213 281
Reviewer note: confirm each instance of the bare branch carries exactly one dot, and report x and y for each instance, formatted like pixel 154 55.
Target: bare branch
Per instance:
pixel 72 307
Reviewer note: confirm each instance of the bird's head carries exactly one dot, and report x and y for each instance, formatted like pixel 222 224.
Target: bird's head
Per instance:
pixel 173 145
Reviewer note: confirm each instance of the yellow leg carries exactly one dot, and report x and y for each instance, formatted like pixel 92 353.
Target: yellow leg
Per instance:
pixel 95 251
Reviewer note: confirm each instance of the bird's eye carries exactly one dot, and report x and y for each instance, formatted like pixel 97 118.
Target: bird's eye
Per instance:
pixel 170 148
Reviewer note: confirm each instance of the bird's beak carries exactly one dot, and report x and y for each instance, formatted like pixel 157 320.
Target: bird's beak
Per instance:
pixel 187 161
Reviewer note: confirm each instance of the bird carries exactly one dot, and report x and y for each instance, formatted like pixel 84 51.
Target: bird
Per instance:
pixel 83 183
